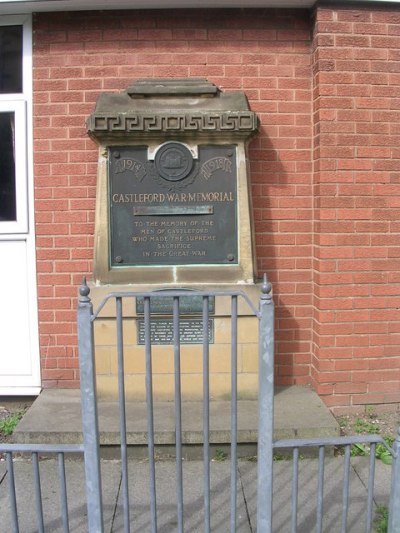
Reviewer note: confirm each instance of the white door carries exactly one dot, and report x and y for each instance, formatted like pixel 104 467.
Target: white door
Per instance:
pixel 19 345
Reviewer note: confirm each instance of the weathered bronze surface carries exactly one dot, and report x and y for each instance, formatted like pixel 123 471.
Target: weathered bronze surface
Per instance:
pixel 162 331
pixel 177 209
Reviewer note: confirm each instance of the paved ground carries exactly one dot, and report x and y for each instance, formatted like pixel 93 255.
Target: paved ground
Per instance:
pixel 193 505
pixel 55 417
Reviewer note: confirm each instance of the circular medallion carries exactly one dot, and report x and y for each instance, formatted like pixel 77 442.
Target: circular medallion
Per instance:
pixel 173 161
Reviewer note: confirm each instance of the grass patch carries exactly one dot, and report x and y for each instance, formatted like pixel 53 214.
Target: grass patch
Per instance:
pixel 7 425
pixel 362 426
pixel 220 455
pixel 381 519
pixel 381 452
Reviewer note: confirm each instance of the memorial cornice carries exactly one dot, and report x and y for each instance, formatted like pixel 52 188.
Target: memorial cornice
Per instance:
pixel 154 107
pixel 237 123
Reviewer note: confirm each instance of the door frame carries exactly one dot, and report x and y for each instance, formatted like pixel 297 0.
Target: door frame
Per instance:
pixel 24 228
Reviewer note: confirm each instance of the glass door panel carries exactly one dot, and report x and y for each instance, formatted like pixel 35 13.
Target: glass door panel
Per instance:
pixel 10 59
pixel 8 206
pixel 13 194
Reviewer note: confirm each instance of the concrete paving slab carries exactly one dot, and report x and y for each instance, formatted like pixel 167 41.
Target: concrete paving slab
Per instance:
pixel 26 503
pixel 300 413
pixel 164 422
pixel 53 418
pixel 56 417
pixel 307 495
pixel 383 476
pixel 193 499
pixel 3 468
pixel 193 495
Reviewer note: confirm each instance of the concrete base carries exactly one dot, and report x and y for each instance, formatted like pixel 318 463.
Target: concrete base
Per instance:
pixel 56 417
pixel 138 479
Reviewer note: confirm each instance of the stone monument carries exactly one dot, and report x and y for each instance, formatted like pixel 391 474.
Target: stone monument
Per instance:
pixel 173 206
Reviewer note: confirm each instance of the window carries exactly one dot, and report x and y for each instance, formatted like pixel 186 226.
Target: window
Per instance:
pixel 13 200
pixel 15 57
pixel 11 59
pixel 8 208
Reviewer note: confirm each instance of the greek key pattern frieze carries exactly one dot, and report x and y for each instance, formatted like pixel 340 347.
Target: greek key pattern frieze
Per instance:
pixel 196 122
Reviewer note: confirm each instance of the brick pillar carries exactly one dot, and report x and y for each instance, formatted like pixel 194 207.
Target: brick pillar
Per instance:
pixel 356 325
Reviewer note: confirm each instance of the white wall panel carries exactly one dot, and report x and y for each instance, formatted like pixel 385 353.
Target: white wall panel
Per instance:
pixel 17 316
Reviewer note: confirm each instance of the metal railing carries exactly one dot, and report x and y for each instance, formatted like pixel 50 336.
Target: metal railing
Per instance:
pixel 342 445
pixel 266 449
pixel 11 451
pixel 86 318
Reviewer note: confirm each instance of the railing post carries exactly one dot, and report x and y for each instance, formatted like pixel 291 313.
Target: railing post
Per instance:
pixel 89 411
pixel 394 506
pixel 265 410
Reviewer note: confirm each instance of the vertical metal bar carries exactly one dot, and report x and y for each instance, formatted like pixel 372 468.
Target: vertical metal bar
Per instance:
pixel 63 492
pixel 265 410
pixel 371 483
pixel 346 479
pixel 38 492
pixel 89 411
pixel 295 488
pixel 178 413
pixel 394 505
pixel 11 492
pixel 233 412
pixel 320 489
pixel 122 414
pixel 206 417
pixel 150 415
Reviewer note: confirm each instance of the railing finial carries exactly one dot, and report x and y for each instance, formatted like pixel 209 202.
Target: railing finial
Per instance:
pixel 266 286
pixel 84 292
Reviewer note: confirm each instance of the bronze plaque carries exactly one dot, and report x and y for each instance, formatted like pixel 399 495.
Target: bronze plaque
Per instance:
pixel 162 331
pixel 162 305
pixel 175 209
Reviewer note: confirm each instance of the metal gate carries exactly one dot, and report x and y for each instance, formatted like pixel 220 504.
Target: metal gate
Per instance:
pixel 86 318
pixel 266 445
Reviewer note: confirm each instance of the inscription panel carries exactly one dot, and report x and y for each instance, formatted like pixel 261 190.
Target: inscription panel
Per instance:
pixel 162 331
pixel 188 305
pixel 175 210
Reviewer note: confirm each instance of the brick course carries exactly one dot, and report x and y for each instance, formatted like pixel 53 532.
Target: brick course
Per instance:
pixel 324 172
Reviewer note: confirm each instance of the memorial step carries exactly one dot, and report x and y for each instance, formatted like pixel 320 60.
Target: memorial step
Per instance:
pixel 55 417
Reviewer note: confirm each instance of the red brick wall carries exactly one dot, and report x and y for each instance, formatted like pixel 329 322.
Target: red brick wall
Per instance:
pixel 324 172
pixel 77 56
pixel 356 342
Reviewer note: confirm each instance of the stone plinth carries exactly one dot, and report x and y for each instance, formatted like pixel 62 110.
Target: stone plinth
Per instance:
pixel 173 210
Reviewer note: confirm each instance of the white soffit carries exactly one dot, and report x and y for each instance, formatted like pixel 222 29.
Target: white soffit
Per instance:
pixel 8 7
pixel 31 6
